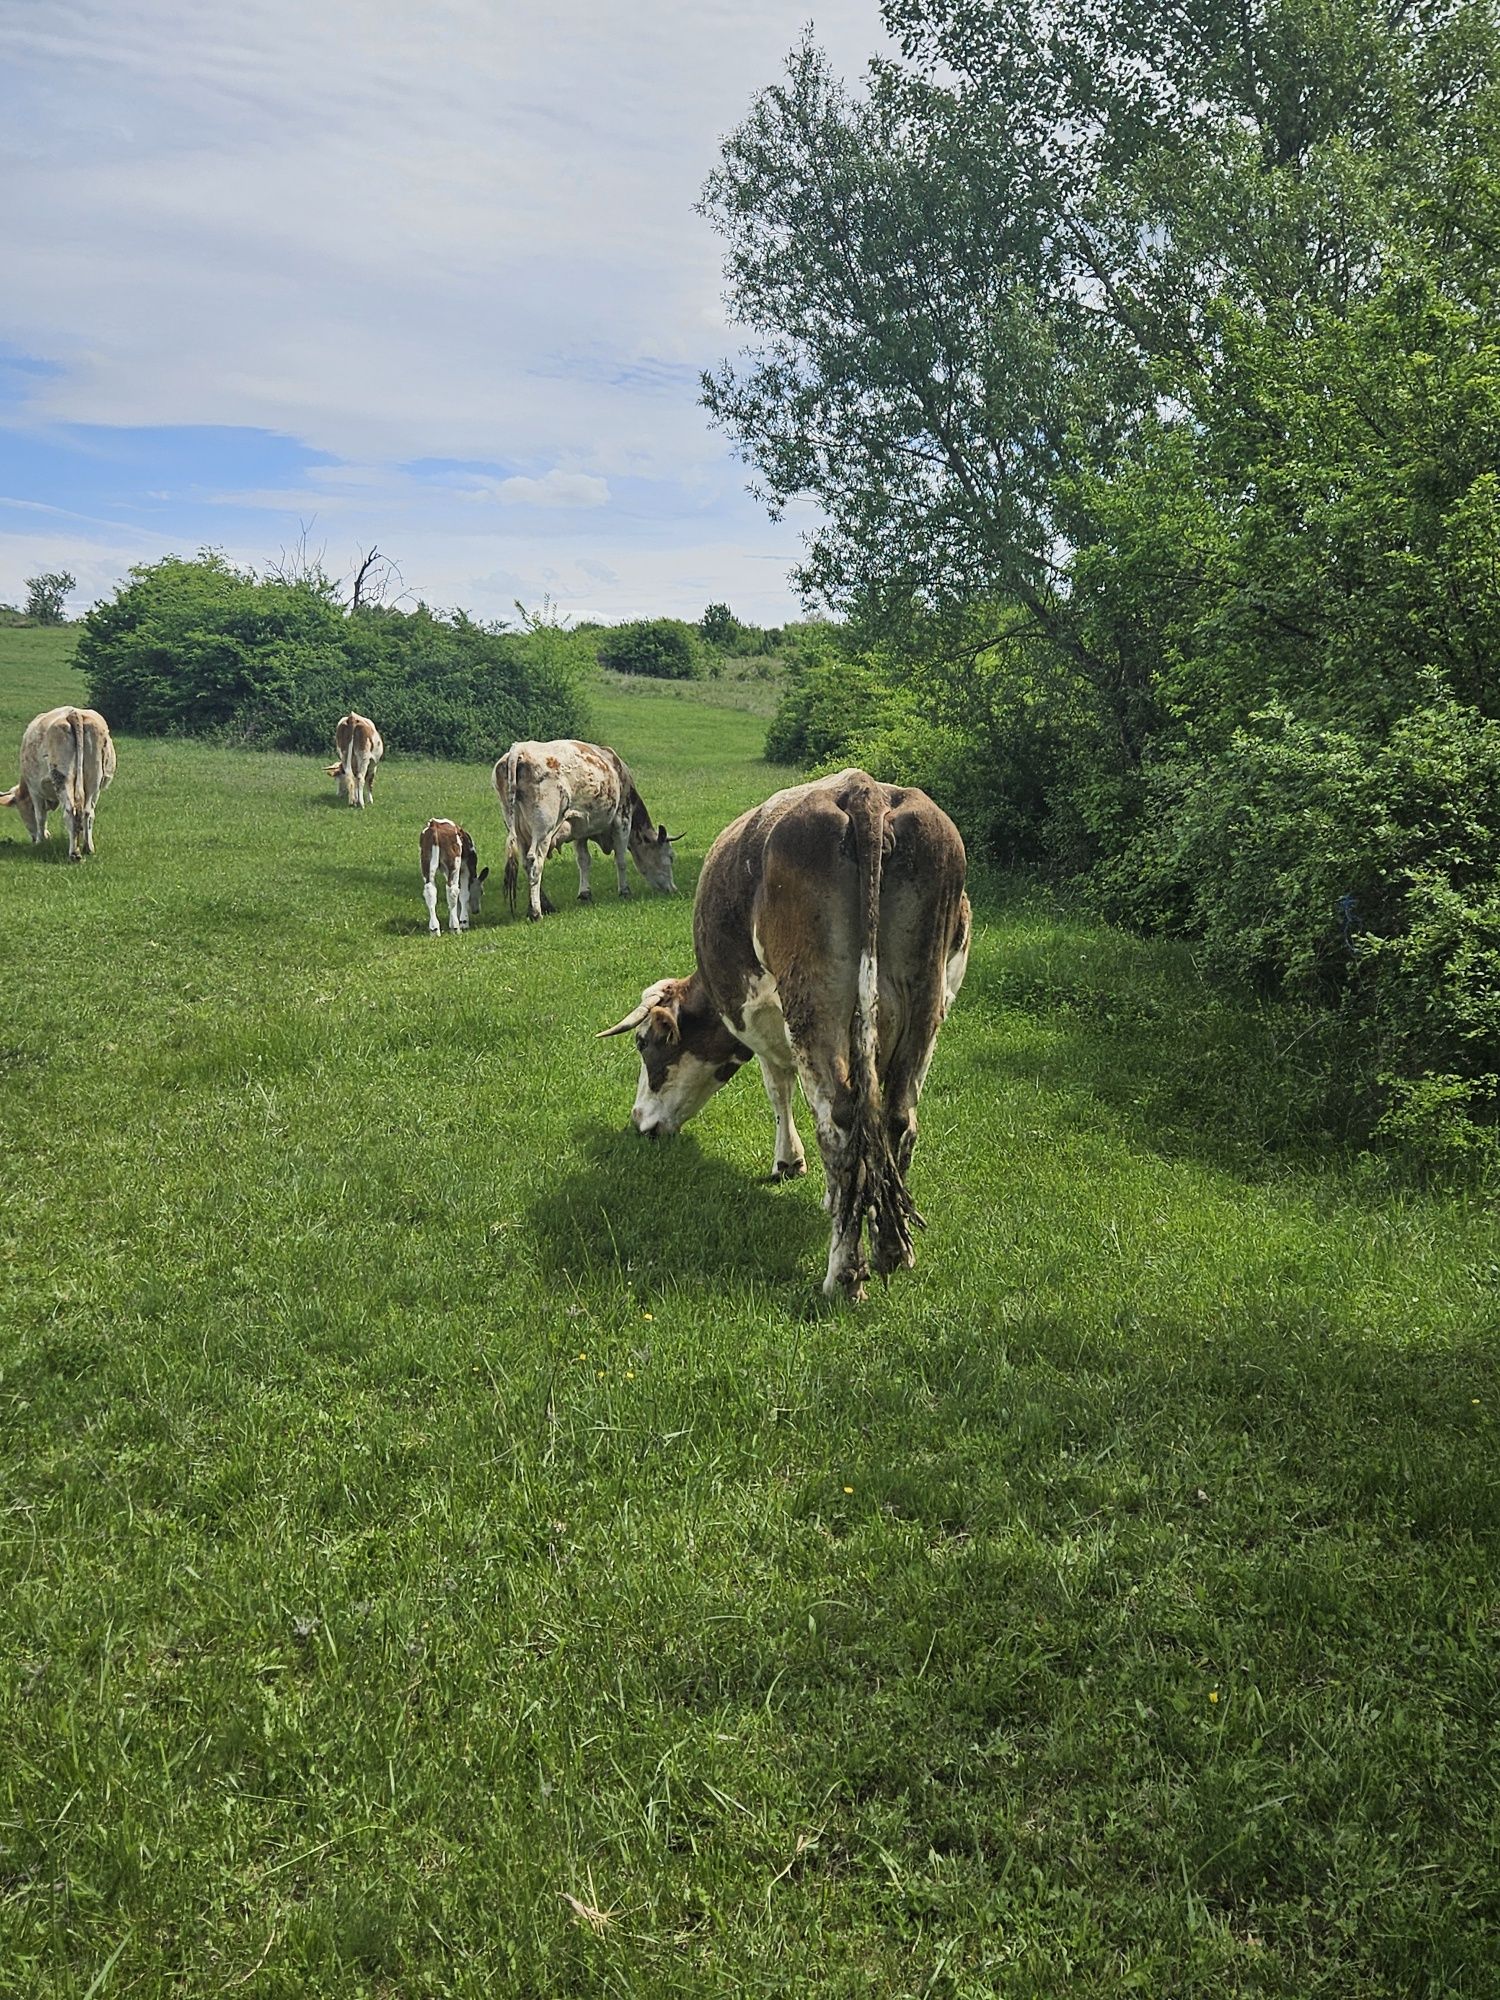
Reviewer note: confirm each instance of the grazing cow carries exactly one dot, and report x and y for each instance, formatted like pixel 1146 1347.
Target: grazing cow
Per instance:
pixel 551 793
pixel 448 851
pixel 67 758
pixel 832 932
pixel 360 749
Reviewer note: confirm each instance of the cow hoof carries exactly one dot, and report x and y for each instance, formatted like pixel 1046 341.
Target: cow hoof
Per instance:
pixel 533 916
pixel 788 1170
pixel 585 895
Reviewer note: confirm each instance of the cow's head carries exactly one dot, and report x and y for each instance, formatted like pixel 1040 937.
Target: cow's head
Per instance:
pixel 19 797
pixel 651 850
pixel 686 1054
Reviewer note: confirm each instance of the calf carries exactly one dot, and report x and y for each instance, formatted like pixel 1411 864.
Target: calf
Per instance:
pixel 67 758
pixel 360 749
pixel 832 933
pixel 551 793
pixel 448 851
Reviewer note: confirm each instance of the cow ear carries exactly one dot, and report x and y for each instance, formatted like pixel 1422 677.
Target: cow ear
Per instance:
pixel 661 836
pixel 482 873
pixel 664 1020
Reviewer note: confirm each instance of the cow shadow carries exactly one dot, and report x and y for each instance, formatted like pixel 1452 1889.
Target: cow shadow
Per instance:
pixel 666 1211
pixel 51 853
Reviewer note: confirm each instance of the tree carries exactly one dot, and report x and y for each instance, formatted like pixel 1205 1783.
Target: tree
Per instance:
pixel 1014 274
pixel 719 626
pixel 47 594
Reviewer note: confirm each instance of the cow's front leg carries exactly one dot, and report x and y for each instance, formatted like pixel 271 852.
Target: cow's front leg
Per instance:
pixel 458 911
pixel 429 897
pixel 581 851
pixel 622 848
pixel 781 1085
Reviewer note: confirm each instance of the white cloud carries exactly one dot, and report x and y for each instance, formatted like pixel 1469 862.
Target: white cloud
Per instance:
pixel 436 229
pixel 553 489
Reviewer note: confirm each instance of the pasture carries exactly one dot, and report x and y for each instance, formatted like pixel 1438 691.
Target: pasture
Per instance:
pixel 449 1548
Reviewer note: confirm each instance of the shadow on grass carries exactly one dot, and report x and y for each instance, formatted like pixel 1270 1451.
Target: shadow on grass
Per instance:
pixel 1125 1034
pixel 665 1211
pixel 51 851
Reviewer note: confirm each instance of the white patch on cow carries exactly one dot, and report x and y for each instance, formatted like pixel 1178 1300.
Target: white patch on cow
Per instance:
pixel 690 1083
pixel 762 1025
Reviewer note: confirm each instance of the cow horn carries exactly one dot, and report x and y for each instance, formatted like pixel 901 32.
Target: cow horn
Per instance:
pixel 631 1020
pixel 670 836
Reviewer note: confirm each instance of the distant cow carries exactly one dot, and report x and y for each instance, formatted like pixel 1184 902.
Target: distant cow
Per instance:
pixel 448 851
pixel 832 933
pixel 67 758
pixel 551 793
pixel 360 749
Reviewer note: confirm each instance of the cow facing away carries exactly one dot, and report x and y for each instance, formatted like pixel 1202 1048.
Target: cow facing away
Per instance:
pixel 551 793
pixel 360 749
pixel 448 851
pixel 67 758
pixel 832 932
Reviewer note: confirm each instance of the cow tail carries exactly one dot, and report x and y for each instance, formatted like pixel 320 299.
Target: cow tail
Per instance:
pixel 79 778
pixel 875 1189
pixel 505 786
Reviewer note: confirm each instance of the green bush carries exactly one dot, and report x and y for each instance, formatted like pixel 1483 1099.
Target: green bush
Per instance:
pixel 665 648
pixel 1361 875
pixel 200 647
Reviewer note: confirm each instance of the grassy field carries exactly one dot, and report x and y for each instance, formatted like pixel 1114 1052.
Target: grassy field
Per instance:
pixel 448 1548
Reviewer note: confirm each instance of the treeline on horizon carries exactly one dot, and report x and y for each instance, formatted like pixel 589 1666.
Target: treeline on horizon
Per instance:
pixel 1145 369
pixel 197 646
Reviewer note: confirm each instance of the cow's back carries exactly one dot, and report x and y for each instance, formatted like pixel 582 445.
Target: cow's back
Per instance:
pixel 780 892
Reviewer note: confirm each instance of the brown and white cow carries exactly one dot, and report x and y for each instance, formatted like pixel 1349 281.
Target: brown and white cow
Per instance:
pixel 360 749
pixel 448 851
pixel 551 793
pixel 67 758
pixel 832 933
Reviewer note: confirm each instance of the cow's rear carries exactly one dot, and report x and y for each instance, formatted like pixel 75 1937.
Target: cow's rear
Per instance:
pixel 67 759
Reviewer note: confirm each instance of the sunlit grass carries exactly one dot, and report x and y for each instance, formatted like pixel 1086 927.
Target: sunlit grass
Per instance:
pixel 451 1548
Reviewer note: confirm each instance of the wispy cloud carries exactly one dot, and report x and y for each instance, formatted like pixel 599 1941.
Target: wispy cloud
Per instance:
pixel 438 231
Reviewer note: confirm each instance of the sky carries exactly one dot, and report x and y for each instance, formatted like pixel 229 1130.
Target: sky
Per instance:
pixel 316 275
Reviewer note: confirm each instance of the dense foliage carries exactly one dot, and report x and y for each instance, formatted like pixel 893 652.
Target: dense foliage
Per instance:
pixel 667 649
pixel 200 647
pixel 1143 366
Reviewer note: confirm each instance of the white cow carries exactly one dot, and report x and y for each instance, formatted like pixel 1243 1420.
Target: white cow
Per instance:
pixel 67 758
pixel 448 851
pixel 555 792
pixel 360 749
pixel 832 933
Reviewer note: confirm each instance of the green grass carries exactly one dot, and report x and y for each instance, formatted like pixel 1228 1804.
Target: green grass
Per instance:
pixel 423 1503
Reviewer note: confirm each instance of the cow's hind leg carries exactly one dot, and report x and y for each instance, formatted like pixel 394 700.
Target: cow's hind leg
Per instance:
pixel 581 851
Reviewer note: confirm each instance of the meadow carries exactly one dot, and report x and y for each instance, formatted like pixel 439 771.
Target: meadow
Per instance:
pixel 449 1548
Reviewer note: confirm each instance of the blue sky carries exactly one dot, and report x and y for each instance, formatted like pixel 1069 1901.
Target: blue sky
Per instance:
pixel 425 274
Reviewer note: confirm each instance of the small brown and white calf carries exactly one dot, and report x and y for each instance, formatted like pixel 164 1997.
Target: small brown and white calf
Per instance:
pixel 448 851
pixel 832 932
pixel 360 749
pixel 67 758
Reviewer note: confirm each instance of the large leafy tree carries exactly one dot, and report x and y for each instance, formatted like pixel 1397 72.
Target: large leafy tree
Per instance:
pixel 1102 315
